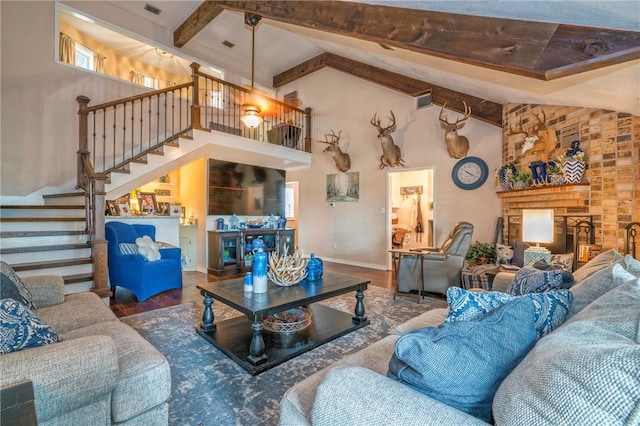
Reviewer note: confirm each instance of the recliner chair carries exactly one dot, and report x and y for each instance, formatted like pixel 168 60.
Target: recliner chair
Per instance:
pixel 132 271
pixel 442 265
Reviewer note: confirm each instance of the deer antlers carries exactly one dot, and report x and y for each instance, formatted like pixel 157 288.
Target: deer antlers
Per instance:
pixel 335 139
pixel 375 121
pixel 540 125
pixel 445 121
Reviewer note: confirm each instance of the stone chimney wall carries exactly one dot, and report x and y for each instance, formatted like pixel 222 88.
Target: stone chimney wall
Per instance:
pixel 610 188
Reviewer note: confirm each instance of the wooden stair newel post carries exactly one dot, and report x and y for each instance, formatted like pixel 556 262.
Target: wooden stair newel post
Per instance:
pixel 195 106
pixel 83 140
pixel 99 243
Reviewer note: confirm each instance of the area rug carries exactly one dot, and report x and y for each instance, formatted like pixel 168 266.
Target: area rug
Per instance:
pixel 207 388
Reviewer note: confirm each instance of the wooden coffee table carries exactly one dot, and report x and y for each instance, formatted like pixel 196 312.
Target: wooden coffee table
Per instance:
pixel 242 338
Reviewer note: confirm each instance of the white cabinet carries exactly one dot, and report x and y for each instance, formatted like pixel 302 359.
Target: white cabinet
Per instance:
pixel 189 246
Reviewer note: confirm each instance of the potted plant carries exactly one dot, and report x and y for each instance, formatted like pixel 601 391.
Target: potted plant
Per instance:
pixel 554 174
pixel 481 253
pixel 520 180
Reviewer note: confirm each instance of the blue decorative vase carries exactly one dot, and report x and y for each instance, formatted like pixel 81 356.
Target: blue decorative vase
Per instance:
pixel 282 222
pixel 234 222
pixel 259 267
pixel 314 268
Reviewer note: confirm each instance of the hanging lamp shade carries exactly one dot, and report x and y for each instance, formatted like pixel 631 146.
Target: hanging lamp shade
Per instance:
pixel 251 112
pixel 251 117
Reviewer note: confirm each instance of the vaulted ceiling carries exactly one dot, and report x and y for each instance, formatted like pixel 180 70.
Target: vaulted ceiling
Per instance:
pixel 488 53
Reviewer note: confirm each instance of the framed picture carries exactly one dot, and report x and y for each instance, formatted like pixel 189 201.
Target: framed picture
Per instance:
pixel 125 199
pixel 113 208
pixel 175 210
pixel 163 208
pixel 125 210
pixel 147 202
pixel 343 187
pixel 163 192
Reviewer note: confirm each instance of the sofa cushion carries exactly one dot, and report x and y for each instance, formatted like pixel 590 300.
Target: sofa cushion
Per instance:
pixel 596 285
pixel 78 310
pixel 586 372
pixel 144 378
pixel 532 280
pixel 462 363
pixel 601 261
pixel 22 329
pixel 551 308
pixel 11 286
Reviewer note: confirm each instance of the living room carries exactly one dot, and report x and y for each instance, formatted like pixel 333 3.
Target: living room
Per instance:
pixel 39 115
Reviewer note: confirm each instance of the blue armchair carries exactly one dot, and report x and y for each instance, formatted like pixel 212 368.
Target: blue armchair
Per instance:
pixel 132 271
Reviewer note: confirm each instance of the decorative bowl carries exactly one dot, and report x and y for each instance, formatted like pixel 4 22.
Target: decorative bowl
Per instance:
pixel 254 226
pixel 288 321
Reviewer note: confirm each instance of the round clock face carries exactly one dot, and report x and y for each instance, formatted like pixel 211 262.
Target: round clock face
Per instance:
pixel 470 173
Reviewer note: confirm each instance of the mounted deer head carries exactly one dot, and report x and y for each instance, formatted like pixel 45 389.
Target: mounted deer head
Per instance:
pixel 537 138
pixel 457 145
pixel 342 160
pixel 391 155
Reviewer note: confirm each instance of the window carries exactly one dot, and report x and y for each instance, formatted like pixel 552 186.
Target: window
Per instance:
pixel 150 82
pixel 84 57
pixel 290 200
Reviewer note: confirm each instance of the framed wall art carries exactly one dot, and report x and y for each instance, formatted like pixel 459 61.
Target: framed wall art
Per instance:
pixel 343 187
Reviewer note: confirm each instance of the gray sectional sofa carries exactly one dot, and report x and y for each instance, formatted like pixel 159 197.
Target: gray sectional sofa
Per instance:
pixel 103 372
pixel 587 371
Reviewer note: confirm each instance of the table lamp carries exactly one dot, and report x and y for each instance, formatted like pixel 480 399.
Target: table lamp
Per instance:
pixel 537 227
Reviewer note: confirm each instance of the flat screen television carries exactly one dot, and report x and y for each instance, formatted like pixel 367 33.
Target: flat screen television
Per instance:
pixel 245 190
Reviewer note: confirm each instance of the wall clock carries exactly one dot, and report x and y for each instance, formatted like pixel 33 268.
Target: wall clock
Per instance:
pixel 470 173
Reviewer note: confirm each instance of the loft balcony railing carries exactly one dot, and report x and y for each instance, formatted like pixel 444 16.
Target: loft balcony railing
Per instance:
pixel 116 133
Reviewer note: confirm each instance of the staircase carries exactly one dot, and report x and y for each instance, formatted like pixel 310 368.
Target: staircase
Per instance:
pixel 48 239
pixel 121 143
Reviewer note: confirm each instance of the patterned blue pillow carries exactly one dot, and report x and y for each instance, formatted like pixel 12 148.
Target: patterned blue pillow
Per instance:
pixel 462 363
pixel 128 248
pixel 10 282
pixel 551 308
pixel 22 329
pixel 531 280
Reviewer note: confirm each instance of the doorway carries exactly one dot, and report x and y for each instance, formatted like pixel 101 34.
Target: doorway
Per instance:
pixel 410 213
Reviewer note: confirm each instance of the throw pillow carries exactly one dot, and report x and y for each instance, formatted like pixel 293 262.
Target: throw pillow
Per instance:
pixel 531 280
pixel 564 261
pixel 567 277
pixel 11 285
pixel 504 254
pixel 148 248
pixel 462 363
pixel 518 253
pixel 587 372
pixel 21 328
pixel 551 308
pixel 596 285
pixel 128 248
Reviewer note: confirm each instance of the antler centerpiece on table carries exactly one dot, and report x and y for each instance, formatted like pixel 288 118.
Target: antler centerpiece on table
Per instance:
pixel 286 270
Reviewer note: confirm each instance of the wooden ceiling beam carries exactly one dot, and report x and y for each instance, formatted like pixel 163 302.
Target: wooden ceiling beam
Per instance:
pixel 199 19
pixel 481 109
pixel 534 49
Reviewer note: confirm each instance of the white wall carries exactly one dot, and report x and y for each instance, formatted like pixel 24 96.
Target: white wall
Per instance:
pixel 358 229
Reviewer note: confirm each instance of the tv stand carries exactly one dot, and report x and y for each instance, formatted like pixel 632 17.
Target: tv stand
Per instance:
pixel 227 248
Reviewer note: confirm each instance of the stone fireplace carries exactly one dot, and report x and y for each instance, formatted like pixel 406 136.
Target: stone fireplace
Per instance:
pixel 610 189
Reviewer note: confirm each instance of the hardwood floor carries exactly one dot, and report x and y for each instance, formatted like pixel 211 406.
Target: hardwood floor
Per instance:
pixel 125 303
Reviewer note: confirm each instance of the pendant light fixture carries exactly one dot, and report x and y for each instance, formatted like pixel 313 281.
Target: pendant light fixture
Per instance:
pixel 251 112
